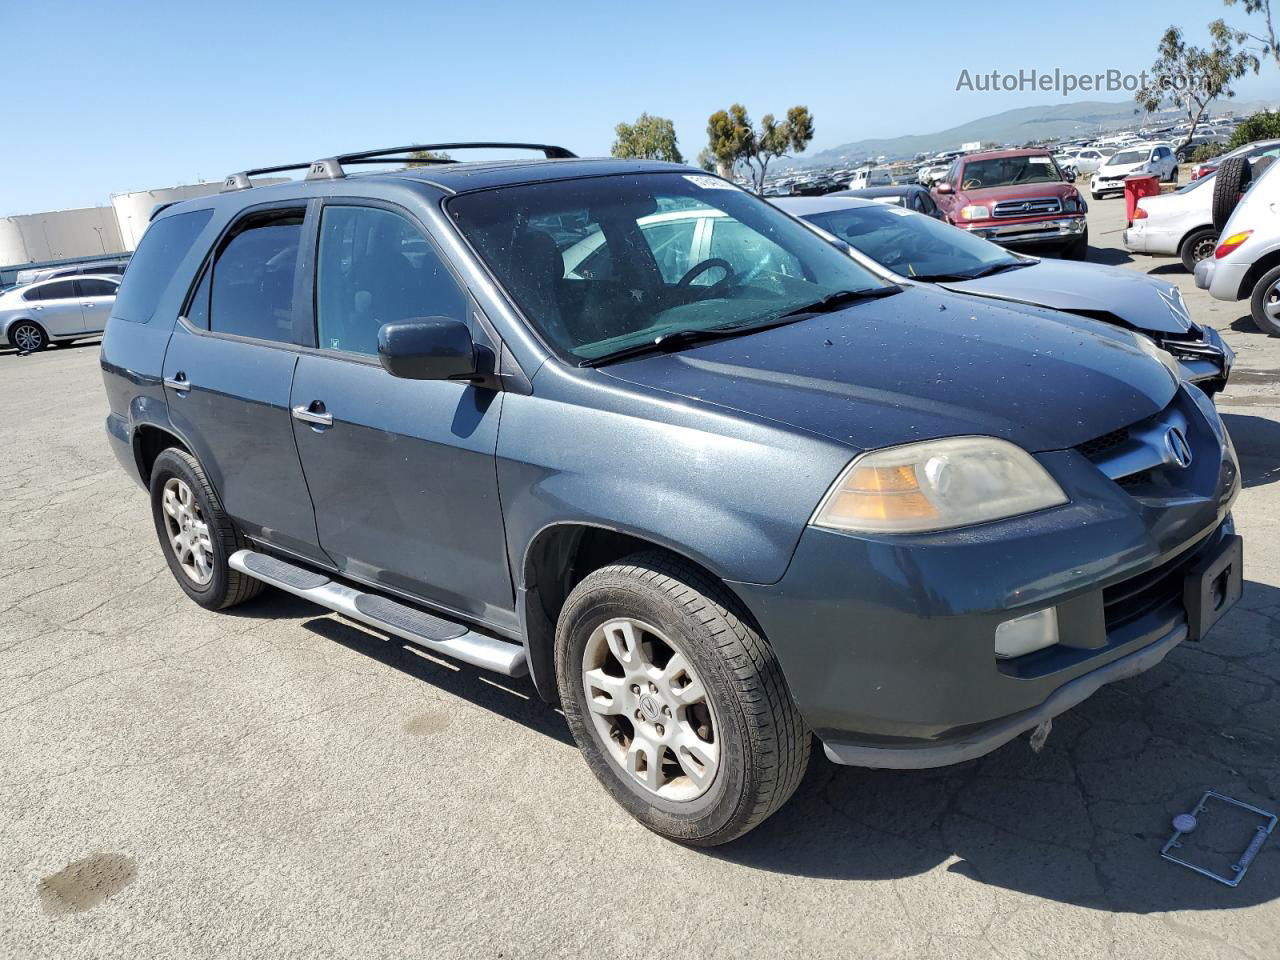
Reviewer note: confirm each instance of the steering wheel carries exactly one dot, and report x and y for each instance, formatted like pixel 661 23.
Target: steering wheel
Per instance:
pixel 971 184
pixel 699 269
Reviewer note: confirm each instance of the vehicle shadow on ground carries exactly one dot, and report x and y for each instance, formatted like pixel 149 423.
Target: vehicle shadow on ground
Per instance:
pixel 1245 324
pixel 1166 269
pixel 1083 821
pixel 1108 257
pixel 510 697
pixel 1257 443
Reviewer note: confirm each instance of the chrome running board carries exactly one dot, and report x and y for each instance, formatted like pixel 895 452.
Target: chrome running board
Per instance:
pixel 408 623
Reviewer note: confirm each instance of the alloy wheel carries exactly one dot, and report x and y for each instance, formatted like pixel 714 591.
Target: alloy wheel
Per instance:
pixel 1203 249
pixel 188 532
pixel 26 337
pixel 650 709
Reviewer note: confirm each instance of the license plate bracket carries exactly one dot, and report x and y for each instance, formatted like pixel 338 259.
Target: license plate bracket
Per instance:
pixel 1213 586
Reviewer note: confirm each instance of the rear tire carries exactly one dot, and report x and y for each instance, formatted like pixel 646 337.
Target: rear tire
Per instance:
pixel 1265 303
pixel 1232 179
pixel 196 536
pixel 622 630
pixel 28 336
pixel 1198 245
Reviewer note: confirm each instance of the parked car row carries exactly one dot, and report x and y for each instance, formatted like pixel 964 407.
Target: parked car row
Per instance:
pixel 719 480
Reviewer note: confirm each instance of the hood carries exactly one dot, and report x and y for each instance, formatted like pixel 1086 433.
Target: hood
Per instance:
pixel 989 196
pixel 1131 298
pixel 1108 169
pixel 923 364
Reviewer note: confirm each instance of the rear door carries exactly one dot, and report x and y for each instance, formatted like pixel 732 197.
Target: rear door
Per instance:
pixel 56 307
pixel 229 368
pixel 97 296
pixel 403 473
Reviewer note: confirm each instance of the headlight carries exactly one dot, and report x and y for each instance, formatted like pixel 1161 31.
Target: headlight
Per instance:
pixel 1153 350
pixel 975 212
pixel 937 485
pixel 1072 205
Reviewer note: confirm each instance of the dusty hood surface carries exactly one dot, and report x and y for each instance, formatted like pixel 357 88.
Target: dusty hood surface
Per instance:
pixel 1131 298
pixel 922 364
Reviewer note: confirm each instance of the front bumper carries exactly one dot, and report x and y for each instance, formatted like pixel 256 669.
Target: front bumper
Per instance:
pixel 1054 230
pixel 888 643
pixel 1099 186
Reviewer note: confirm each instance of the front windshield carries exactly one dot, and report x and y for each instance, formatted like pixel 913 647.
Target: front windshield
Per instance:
pixel 602 264
pixel 1129 156
pixel 911 244
pixel 1008 171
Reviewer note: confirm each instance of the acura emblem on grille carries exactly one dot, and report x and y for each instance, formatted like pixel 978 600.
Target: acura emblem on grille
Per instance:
pixel 1176 442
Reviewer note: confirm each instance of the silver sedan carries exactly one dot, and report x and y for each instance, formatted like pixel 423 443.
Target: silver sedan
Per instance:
pixel 56 311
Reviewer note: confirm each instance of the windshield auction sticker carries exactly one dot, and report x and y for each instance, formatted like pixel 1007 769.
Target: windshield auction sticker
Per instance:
pixel 709 183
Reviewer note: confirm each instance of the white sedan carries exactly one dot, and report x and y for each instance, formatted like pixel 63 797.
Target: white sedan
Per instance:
pixel 1178 224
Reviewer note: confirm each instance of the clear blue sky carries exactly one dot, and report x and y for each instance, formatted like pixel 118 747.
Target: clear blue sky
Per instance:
pixel 124 95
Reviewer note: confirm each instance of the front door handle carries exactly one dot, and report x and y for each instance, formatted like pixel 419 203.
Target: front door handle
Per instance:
pixel 179 383
pixel 313 413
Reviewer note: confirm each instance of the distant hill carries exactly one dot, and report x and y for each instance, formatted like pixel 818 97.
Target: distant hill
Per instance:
pixel 1025 124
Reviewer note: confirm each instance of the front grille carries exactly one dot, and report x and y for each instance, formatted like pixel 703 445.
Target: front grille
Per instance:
pixel 1027 208
pixel 1130 599
pixel 1099 445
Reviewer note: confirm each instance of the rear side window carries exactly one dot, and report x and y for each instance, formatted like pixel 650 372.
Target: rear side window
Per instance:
pixel 59 290
pixel 251 292
pixel 163 246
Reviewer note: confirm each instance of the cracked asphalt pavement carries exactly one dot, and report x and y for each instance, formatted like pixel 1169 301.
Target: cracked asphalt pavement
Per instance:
pixel 276 782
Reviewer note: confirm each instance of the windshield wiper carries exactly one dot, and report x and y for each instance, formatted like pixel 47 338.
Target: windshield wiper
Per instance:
pixel 838 299
pixel 675 339
pixel 988 270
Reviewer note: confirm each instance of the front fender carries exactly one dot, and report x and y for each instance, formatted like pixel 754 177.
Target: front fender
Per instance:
pixel 729 491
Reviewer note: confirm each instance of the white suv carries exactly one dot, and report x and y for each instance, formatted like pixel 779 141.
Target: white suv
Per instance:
pixel 1145 158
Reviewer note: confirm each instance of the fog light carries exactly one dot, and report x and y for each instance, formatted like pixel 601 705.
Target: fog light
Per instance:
pixel 1026 634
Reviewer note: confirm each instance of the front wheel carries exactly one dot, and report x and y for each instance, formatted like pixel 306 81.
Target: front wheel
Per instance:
pixel 1077 249
pixel 1265 303
pixel 677 703
pixel 195 535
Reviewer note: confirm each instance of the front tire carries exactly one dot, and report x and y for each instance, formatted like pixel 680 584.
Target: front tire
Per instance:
pixel 677 703
pixel 1265 302
pixel 28 336
pixel 1077 249
pixel 195 535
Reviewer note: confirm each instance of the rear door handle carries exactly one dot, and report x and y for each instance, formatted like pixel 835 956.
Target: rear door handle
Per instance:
pixel 179 383
pixel 313 413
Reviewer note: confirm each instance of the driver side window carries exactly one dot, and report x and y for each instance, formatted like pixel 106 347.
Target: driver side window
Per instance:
pixel 374 267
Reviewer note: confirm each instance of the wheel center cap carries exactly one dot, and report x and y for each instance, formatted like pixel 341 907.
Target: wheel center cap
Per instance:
pixel 650 707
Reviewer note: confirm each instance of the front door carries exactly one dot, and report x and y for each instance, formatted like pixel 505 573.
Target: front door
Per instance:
pixel 402 472
pixel 228 371
pixel 97 296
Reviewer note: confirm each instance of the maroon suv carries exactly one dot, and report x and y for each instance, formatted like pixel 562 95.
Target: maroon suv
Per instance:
pixel 1015 198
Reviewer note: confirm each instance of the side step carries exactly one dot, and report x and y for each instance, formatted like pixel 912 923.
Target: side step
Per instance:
pixel 427 630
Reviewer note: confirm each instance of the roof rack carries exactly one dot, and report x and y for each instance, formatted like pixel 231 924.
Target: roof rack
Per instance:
pixel 330 168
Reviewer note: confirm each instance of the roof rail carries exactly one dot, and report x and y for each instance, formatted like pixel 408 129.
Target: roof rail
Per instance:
pixel 330 168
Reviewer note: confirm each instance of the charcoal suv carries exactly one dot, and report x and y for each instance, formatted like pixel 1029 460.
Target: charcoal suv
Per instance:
pixel 714 484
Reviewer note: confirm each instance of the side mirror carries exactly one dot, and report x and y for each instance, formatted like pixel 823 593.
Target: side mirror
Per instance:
pixel 431 348
pixel 944 187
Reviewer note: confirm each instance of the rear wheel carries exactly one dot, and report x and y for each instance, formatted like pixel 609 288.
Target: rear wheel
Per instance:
pixel 195 534
pixel 28 336
pixel 1198 245
pixel 678 705
pixel 1265 303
